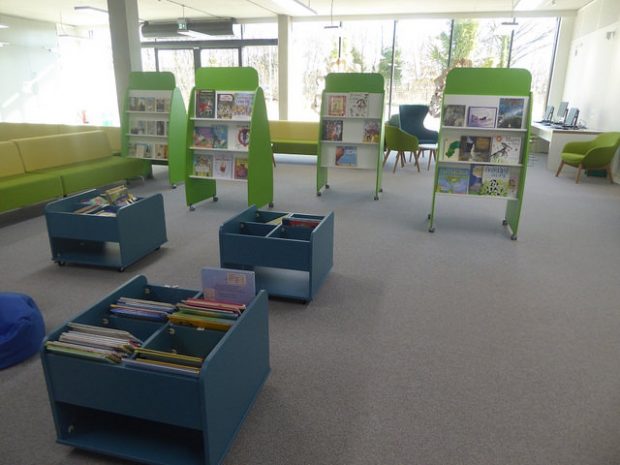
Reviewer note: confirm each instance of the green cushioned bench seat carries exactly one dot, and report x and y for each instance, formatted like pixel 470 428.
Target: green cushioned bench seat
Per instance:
pixel 295 137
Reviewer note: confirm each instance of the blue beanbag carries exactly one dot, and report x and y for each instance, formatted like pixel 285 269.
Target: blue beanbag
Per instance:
pixel 21 328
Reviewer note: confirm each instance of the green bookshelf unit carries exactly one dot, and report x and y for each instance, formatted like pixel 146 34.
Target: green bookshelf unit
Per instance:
pixel 483 140
pixel 153 123
pixel 351 126
pixel 228 136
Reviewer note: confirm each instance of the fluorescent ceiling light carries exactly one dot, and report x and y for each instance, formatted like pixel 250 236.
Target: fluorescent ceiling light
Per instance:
pixel 91 10
pixel 296 5
pixel 523 5
pixel 3 26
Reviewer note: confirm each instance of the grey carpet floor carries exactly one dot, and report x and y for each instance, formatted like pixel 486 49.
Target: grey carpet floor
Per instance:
pixel 458 347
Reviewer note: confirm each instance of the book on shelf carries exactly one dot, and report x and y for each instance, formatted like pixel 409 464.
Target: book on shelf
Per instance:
pixel 239 136
pixel 205 103
pixel 202 165
pixel 332 129
pixel 452 148
pixel 481 117
pixel 119 196
pixel 161 128
pixel 137 127
pixel 336 105
pixel 151 127
pixel 160 151
pixel 162 105
pixel 297 222
pixel 372 131
pixel 453 179
pixel 212 137
pixel 453 115
pixel 158 365
pixel 228 285
pixel 241 168
pixel 495 181
pixel 357 105
pixel 150 104
pixel 141 309
pixel 223 166
pixel 171 362
pixel 510 112
pixel 140 150
pixel 346 155
pixel 475 148
pixel 278 220
pixel 242 105
pixel 506 149
pixel 200 321
pixel 225 102
pixel 475 179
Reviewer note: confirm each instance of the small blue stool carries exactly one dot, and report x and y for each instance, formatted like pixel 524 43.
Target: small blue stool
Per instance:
pixel 21 328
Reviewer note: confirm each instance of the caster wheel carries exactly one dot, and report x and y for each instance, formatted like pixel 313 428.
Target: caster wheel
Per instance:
pixel 326 186
pixel 174 186
pixel 513 237
pixel 428 217
pixel 318 194
pixel 270 204
pixel 376 197
pixel 61 263
pixel 215 199
pixel 504 222
pixel 121 269
pixel 431 230
pixel 381 190
pixel 157 248
pixel 192 208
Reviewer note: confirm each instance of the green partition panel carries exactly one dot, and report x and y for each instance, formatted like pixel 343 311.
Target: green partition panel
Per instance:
pixel 481 84
pixel 260 156
pixel 143 82
pixel 372 83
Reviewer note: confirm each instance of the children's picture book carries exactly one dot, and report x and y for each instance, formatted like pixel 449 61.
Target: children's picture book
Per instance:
pixel 220 136
pixel 452 148
pixel 241 168
pixel 137 127
pixel 134 104
pixel 454 115
pixel 481 117
pixel 475 148
pixel 357 105
pixel 141 150
pixel 161 151
pixel 227 285
pixel 225 102
pixel 453 179
pixel 242 105
pixel 336 105
pixel 223 166
pixel 300 222
pixel 332 129
pixel 239 137
pixel 475 179
pixel 510 114
pixel 346 155
pixel 372 131
pixel 161 128
pixel 212 137
pixel 506 149
pixel 203 165
pixel 205 103
pixel 495 181
pixel 151 128
pixel 162 105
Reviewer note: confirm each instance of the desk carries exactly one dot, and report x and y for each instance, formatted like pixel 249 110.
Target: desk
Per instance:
pixel 557 138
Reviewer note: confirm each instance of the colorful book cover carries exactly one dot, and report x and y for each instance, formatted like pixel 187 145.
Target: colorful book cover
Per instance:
pixel 453 179
pixel 241 168
pixel 242 106
pixel 225 102
pixel 475 148
pixel 481 117
pixel 357 105
pixel 222 167
pixel 134 104
pixel 452 148
pixel 332 129
pixel 510 114
pixel 240 137
pixel 336 105
pixel 150 104
pixel 475 179
pixel 203 165
pixel 225 285
pixel 495 181
pixel 161 128
pixel 162 105
pixel 143 150
pixel 151 128
pixel 220 136
pixel 138 127
pixel 506 149
pixel 204 137
pixel 346 155
pixel 161 151
pixel 454 115
pixel 372 131
pixel 205 103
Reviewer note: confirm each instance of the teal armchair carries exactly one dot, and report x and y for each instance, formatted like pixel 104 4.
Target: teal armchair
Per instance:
pixel 401 142
pixel 594 154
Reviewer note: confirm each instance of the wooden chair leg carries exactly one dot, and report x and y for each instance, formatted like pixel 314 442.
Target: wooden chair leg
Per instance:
pixel 387 154
pixel 579 173
pixel 559 169
pixel 432 155
pixel 417 162
pixel 398 155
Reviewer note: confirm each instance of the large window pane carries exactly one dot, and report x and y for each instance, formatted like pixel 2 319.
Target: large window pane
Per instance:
pixel 219 57
pixel 265 61
pixel 181 64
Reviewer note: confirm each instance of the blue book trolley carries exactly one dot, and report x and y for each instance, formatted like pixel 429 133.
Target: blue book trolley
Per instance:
pixel 152 416
pixel 289 262
pixel 108 241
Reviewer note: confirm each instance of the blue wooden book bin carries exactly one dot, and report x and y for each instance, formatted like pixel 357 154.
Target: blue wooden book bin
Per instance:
pixel 156 417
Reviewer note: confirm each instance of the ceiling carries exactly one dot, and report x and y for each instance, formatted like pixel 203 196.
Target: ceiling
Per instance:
pixel 62 11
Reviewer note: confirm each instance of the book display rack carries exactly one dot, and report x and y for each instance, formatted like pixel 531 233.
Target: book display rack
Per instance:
pixel 153 123
pixel 290 253
pixel 114 236
pixel 228 136
pixel 351 125
pixel 483 140
pixel 158 416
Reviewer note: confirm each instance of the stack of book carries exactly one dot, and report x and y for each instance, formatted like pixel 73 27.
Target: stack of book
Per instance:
pixel 165 361
pixel 203 313
pixel 142 309
pixel 107 203
pixel 95 343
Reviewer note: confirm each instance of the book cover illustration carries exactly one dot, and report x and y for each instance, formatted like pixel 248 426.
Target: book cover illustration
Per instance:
pixel 138 127
pixel 372 131
pixel 240 136
pixel 205 103
pixel 332 129
pixel 225 102
pixel 510 114
pixel 151 128
pixel 242 105
pixel 141 150
pixel 453 179
pixel 161 151
pixel 452 148
pixel 150 104
pixel 232 286
pixel 495 181
pixel 336 105
pixel 475 148
pixel 241 168
pixel 222 167
pixel 161 128
pixel 475 179
pixel 454 115
pixel 346 155
pixel 134 104
pixel 481 117
pixel 506 149
pixel 357 105
pixel 212 137
pixel 162 105
pixel 203 165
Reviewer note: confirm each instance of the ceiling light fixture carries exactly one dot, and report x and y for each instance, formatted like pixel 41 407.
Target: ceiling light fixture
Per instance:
pixel 3 26
pixel 331 18
pixel 90 9
pixel 300 7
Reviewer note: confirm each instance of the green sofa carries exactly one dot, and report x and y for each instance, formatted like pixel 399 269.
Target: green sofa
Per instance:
pixel 295 137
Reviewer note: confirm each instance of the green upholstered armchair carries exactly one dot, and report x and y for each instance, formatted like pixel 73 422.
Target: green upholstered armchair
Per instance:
pixel 593 154
pixel 401 142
